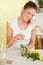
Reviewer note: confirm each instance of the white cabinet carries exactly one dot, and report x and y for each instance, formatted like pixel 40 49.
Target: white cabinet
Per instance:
pixel 39 19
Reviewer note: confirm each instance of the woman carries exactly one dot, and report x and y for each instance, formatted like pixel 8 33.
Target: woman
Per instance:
pixel 21 30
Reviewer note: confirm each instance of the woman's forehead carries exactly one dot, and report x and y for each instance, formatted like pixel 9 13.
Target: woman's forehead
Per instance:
pixel 32 11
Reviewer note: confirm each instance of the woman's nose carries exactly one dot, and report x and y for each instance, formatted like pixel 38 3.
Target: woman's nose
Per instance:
pixel 30 16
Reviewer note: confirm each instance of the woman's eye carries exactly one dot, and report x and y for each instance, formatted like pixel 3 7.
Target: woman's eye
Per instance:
pixel 32 15
pixel 28 12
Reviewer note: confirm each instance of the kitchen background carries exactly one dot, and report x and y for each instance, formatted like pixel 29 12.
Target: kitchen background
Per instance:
pixel 10 9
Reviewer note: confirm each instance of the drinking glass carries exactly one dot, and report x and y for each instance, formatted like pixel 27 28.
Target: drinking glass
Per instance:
pixel 3 50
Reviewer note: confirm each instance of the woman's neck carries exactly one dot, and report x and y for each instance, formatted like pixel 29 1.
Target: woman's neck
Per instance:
pixel 22 24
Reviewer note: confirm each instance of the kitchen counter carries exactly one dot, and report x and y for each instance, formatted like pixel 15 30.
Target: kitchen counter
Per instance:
pixel 14 55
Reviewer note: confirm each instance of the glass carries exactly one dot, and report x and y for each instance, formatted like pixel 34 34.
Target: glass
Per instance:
pixel 3 50
pixel 23 49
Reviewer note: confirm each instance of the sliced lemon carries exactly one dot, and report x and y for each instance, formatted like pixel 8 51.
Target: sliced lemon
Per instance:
pixel 35 52
pixel 41 58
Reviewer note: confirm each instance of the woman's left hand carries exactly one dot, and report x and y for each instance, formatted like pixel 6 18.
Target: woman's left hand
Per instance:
pixel 28 50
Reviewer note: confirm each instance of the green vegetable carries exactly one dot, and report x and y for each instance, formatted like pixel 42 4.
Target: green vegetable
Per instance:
pixel 23 50
pixel 35 56
pixel 27 55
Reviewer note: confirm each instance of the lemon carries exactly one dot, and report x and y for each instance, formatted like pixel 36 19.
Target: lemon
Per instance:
pixel 41 58
pixel 35 52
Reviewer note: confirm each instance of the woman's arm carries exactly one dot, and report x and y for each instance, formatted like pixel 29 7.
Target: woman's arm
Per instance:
pixel 10 38
pixel 32 40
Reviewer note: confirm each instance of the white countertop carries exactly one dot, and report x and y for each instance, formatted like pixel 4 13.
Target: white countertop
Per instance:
pixel 14 55
pixel 39 33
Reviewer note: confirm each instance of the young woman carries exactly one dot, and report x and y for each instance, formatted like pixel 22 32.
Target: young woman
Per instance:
pixel 21 30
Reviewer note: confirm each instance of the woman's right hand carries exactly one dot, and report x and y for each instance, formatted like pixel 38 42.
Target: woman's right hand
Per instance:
pixel 20 36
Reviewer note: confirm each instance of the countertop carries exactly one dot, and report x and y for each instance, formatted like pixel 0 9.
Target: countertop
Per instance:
pixel 14 55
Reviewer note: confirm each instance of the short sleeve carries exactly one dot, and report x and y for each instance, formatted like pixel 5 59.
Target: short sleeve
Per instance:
pixel 33 25
pixel 11 23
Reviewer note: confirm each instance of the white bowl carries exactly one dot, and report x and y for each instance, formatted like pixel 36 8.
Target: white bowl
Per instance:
pixel 41 52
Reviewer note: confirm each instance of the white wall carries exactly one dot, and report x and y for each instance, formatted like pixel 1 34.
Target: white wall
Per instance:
pixel 39 19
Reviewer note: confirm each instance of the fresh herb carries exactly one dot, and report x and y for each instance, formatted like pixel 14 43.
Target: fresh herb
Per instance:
pixel 23 50
pixel 34 56
pixel 27 55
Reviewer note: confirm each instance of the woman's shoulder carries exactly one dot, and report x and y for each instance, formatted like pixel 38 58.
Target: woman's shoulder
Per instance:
pixel 12 22
pixel 12 19
pixel 32 24
pixel 35 26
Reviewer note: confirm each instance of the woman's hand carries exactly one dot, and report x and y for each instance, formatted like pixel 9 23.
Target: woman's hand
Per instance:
pixel 20 36
pixel 28 49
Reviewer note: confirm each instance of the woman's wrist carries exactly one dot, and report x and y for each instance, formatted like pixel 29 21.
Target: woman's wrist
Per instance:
pixel 28 48
pixel 15 38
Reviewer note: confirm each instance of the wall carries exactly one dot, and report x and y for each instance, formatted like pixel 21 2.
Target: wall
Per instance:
pixel 8 9
pixel 39 19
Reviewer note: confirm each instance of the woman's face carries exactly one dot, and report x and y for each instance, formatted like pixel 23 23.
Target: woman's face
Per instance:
pixel 27 14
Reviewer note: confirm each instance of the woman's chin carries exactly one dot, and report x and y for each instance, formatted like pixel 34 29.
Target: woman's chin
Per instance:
pixel 26 20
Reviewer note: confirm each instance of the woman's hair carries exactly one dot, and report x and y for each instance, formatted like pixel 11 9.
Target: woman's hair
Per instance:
pixel 30 4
